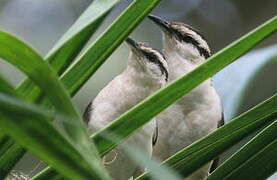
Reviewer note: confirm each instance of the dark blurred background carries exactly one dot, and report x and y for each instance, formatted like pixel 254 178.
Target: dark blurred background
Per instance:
pixel 241 85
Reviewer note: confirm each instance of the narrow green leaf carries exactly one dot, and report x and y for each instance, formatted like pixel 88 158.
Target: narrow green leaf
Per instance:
pixel 26 59
pixel 134 152
pixel 5 143
pixel 156 171
pixel 48 173
pixel 129 21
pixel 88 20
pixel 31 127
pixel 105 45
pixel 145 161
pixel 256 160
pixel 151 106
pixel 71 43
pixel 199 153
pixel 10 152
pixel 101 49
pixel 6 87
pixel 1 134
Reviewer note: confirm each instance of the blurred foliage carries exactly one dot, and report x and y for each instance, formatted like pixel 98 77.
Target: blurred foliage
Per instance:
pixel 261 85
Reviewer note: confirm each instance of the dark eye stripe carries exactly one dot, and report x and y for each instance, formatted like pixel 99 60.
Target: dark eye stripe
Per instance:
pixel 196 31
pixel 152 57
pixel 188 39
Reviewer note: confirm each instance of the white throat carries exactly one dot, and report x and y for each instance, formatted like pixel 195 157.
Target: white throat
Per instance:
pixel 136 72
pixel 178 66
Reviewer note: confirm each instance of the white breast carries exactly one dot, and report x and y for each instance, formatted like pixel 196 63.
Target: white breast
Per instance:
pixel 117 97
pixel 191 118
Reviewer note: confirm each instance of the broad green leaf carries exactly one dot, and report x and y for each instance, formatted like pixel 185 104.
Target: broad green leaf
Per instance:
pixel 65 51
pixel 256 160
pixel 151 106
pixel 27 60
pixel 71 43
pixel 30 126
pixel 199 153
pixel 11 119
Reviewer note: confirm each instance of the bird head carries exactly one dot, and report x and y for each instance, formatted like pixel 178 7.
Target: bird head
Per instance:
pixel 183 39
pixel 147 60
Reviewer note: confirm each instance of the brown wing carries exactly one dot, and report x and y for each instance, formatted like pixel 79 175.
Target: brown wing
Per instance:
pixel 216 161
pixel 87 113
pixel 155 135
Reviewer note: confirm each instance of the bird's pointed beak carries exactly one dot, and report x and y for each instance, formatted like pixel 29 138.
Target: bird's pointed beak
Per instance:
pixel 133 45
pixel 165 26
